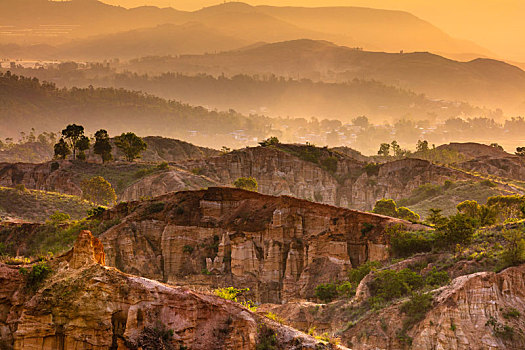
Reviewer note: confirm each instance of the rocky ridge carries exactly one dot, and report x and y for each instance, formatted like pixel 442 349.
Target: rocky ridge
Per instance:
pixel 472 312
pixel 281 172
pixel 279 247
pixel 316 174
pixel 87 305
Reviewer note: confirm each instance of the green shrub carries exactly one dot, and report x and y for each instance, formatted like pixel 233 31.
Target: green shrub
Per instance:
pixel 481 214
pixel 407 214
pixel 389 284
pixel 488 183
pixel 98 191
pixel 326 292
pixel 514 252
pixel 388 207
pixel 385 207
pixel 271 141
pixel 435 278
pixel 435 218
pixel 357 274
pixel 416 309
pixel 58 218
pixel 163 166
pixel 458 230
pixel 345 289
pixel 367 227
pixel 187 249
pixel 94 212
pixel 246 183
pixel 197 171
pixel 500 330
pixel 38 274
pixel 406 243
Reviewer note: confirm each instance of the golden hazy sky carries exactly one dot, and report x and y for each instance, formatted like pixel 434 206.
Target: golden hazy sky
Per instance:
pixel 498 25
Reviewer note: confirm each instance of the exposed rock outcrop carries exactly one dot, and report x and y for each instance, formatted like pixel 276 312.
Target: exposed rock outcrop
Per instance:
pixel 84 305
pixel 282 172
pixel 316 174
pixel 279 247
pixel 469 313
pixel 477 311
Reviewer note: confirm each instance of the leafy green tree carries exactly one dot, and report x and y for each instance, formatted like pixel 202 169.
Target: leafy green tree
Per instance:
pixel 470 208
pixel 520 151
pixel 271 141
pixel 384 150
pixel 407 214
pixel 102 145
pixel 82 145
pixel 73 133
pixel 355 275
pixel 390 284
pixel 396 149
pixel 388 207
pixel 405 243
pixel 458 230
pixel 422 146
pixel 487 215
pixel 246 183
pixel 482 214
pixel 58 218
pixel 435 217
pixel 385 207
pixel 98 191
pixel 514 252
pixel 131 145
pixel 62 149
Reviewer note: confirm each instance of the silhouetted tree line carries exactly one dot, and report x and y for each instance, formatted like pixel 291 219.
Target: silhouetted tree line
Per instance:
pixel 73 140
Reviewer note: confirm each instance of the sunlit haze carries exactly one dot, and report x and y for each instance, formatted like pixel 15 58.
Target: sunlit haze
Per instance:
pixel 495 24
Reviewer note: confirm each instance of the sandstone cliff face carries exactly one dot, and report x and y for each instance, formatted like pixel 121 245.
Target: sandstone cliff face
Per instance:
pixel 280 173
pixel 466 314
pixel 472 312
pixel 39 177
pixel 398 179
pixel 279 247
pixel 165 182
pixel 277 173
pixel 85 305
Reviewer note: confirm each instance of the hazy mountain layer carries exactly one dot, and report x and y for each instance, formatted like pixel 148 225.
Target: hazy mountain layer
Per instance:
pixel 37 21
pixel 482 82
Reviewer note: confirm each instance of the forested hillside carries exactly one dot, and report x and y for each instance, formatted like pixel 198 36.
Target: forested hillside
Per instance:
pixel 27 103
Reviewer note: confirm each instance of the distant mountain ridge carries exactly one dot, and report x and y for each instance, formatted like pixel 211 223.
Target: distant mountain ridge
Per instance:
pixel 369 28
pixel 484 82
